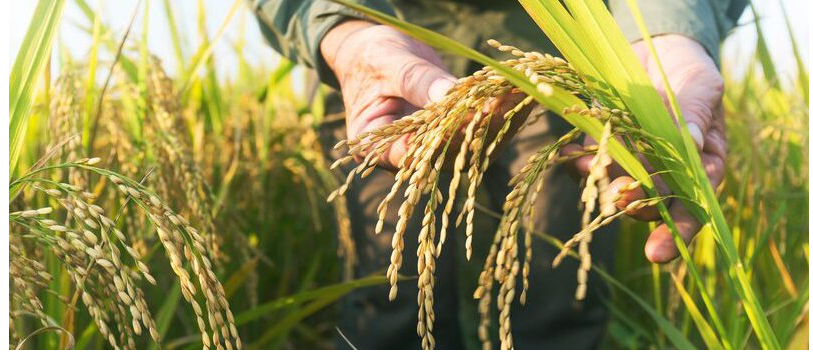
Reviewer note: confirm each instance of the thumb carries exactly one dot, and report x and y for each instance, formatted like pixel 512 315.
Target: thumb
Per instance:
pixel 421 82
pixel 698 113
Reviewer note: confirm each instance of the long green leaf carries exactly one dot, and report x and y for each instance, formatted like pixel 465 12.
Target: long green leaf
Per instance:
pixel 175 35
pixel 167 311
pixel 34 53
pixel 292 319
pixel 768 66
pixel 671 332
pixel 801 70
pixel 336 289
pixel 205 50
pixel 706 332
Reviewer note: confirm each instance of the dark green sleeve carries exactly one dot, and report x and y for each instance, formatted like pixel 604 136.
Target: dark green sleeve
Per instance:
pixel 294 28
pixel 706 21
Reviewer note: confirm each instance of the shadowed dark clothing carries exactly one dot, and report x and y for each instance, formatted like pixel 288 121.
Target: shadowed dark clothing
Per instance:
pixel 551 318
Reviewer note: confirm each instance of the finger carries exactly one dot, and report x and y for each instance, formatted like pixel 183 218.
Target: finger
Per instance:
pixel 660 247
pixel 380 112
pixel 420 82
pixel 699 94
pixel 716 141
pixel 582 164
pixel 620 187
pixel 567 151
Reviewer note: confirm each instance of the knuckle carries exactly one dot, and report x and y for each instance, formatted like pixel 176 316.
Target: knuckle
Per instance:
pixel 410 73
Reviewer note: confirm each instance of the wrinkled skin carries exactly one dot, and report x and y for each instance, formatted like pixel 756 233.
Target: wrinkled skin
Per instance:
pixel 385 75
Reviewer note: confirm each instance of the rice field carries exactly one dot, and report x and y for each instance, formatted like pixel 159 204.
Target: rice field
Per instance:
pixel 196 210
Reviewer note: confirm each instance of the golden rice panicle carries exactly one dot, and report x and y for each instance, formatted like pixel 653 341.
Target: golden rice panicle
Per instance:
pixel 100 239
pixel 503 262
pixel 183 242
pixel 347 246
pixel 65 121
pixel 474 178
pixel 181 172
pixel 66 113
pixel 596 189
pixel 459 164
pixel 426 274
pixel 27 277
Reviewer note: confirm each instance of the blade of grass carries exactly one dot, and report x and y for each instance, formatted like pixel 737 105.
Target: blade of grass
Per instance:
pixel 127 65
pixel 165 314
pixel 787 280
pixel 764 55
pixel 238 278
pixel 773 223
pixel 801 71
pixel 671 332
pixel 175 36
pixel 706 332
pixel 292 319
pixel 88 334
pixel 31 60
pixel 90 84
pixel 205 50
pixel 275 305
pixel 119 57
pixel 631 323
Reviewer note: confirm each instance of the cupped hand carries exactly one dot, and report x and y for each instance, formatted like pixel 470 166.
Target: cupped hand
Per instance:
pixel 698 88
pixel 385 75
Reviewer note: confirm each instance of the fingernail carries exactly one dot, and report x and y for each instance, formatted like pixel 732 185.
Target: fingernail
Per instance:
pixel 439 88
pixel 697 135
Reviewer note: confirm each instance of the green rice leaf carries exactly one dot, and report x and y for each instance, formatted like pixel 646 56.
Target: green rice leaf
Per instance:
pixel 333 291
pixel 31 60
pixel 706 332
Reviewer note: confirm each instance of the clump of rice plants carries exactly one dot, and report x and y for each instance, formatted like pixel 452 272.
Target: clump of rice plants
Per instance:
pixel 603 92
pixel 103 264
pixel 198 177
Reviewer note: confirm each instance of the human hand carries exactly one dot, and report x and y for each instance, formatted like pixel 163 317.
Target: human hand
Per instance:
pixel 385 75
pixel 698 88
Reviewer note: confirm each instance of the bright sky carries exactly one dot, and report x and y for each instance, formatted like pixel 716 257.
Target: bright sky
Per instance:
pixel 75 37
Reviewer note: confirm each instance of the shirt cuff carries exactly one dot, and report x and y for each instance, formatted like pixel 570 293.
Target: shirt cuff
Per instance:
pixel 328 17
pixel 691 18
